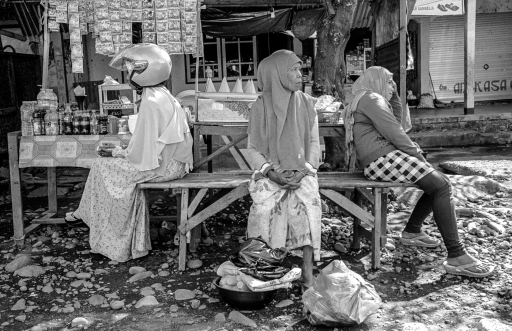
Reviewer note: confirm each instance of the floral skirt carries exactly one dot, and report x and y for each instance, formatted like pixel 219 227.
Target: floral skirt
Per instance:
pixel 286 218
pixel 116 210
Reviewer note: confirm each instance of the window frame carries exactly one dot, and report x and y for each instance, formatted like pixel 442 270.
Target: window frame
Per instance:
pixel 222 65
pixel 189 79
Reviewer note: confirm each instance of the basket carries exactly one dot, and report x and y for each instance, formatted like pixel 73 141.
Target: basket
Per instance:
pixel 329 117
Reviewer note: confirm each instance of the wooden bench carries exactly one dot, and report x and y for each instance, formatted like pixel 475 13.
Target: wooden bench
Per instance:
pixel 369 224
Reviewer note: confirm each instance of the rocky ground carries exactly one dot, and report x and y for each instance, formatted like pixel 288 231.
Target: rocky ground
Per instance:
pixel 53 284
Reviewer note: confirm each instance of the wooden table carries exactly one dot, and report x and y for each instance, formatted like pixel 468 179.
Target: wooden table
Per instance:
pixel 49 152
pixel 232 134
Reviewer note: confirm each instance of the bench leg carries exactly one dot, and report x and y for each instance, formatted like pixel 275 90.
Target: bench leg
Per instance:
pixel 52 190
pixel 384 217
pixel 182 259
pixel 376 231
pixel 356 236
pixel 17 201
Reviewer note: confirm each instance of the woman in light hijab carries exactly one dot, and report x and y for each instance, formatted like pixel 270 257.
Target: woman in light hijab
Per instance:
pixel 160 149
pixel 284 150
pixel 386 153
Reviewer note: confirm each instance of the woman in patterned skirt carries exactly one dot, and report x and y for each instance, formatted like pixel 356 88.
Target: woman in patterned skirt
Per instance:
pixel 386 153
pixel 284 148
pixel 160 150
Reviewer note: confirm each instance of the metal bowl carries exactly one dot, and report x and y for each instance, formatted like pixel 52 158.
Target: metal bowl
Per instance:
pixel 244 300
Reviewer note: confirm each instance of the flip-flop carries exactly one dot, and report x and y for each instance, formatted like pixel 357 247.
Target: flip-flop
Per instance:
pixel 73 221
pixel 416 241
pixel 461 270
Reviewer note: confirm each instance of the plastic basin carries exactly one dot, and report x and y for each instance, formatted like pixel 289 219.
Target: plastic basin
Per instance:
pixel 244 300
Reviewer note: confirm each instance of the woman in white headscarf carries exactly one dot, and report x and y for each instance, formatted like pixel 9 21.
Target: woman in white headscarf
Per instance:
pixel 386 153
pixel 160 149
pixel 284 148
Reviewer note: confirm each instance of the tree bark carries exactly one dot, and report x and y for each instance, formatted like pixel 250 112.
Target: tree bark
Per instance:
pixel 332 36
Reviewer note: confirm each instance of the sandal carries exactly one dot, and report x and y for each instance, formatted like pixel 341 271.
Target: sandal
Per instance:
pixel 73 221
pixel 420 241
pixel 462 270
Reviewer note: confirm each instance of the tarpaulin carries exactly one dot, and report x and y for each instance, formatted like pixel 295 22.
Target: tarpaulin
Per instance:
pixel 259 23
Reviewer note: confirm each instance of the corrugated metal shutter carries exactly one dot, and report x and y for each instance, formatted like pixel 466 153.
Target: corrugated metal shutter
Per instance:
pixel 493 62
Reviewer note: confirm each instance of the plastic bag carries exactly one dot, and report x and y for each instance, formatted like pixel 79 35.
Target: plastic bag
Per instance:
pixel 339 297
pixel 261 286
pixel 256 252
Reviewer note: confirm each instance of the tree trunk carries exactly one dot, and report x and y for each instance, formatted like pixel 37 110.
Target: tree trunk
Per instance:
pixel 332 36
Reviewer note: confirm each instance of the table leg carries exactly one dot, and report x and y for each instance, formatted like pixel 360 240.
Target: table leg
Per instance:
pixel 376 231
pixel 197 142
pixel 356 236
pixel 52 190
pixel 183 207
pixel 17 201
pixel 209 149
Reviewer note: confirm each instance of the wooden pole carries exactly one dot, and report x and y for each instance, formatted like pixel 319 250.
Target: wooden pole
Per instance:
pixel 403 52
pixel 46 46
pixel 469 56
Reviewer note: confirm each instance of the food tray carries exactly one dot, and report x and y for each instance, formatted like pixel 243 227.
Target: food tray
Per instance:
pixel 224 110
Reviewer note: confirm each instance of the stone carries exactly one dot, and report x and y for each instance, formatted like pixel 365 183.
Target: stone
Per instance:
pixel 30 271
pixel 117 304
pixel 21 318
pixel 146 302
pixel 390 246
pixel 96 300
pixel 164 273
pixel 340 248
pixel 147 291
pixel 173 308
pixel 19 262
pixel 220 317
pixel 136 270
pixel 79 322
pixel 194 264
pixel 240 318
pixel 47 289
pixel 19 305
pixel 284 303
pixel 195 303
pixel 71 274
pixel 140 275
pixel 68 310
pixel 414 327
pixel 183 294
pixel 491 324
pixel 43 239
pixel 83 275
pixel 495 226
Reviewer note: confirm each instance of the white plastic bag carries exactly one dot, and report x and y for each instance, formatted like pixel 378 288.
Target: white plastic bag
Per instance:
pixel 340 296
pixel 257 285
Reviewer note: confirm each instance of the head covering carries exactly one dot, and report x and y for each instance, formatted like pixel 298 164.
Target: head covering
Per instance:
pixel 281 120
pixel 162 133
pixel 374 80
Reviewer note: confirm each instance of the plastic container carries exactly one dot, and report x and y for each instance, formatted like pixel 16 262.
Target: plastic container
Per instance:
pixel 52 122
pixel 27 109
pixel 67 121
pixel 77 123
pixel 53 99
pixel 113 125
pixel 94 123
pixel 85 123
pixel 103 125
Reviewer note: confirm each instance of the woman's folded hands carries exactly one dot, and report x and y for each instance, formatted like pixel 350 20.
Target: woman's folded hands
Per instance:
pixel 288 180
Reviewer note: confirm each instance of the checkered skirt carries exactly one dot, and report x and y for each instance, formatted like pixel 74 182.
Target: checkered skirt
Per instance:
pixel 397 166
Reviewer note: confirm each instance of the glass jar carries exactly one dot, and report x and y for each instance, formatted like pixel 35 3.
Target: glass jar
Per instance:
pixel 102 124
pixel 123 125
pixel 43 98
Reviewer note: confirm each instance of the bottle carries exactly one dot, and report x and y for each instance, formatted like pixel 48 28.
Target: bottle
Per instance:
pixel 52 99
pixel 113 126
pixel 94 123
pixel 68 120
pixel 51 121
pixel 27 109
pixel 77 123
pixel 42 115
pixel 85 123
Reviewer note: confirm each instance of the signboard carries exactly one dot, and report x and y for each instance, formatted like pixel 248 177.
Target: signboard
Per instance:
pixel 438 8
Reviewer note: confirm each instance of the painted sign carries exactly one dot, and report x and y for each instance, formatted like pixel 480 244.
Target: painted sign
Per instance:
pixel 438 8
